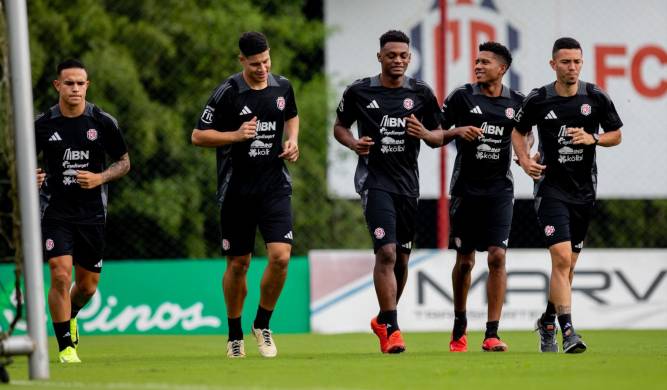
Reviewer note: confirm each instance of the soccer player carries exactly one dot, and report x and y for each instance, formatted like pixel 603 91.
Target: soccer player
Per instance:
pixel 245 120
pixel 568 114
pixel 482 188
pixel 74 137
pixel 393 112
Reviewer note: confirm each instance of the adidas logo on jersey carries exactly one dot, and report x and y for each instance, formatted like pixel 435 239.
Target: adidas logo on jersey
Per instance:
pixel 99 264
pixel 289 235
pixel 551 115
pixel 476 110
pixel 245 111
pixel 373 104
pixel 55 137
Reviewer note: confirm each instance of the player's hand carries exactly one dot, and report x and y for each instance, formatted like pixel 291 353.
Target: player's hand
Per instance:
pixel 470 133
pixel 532 167
pixel 41 176
pixel 89 180
pixel 415 128
pixel 247 130
pixel 290 151
pixel 363 145
pixel 580 136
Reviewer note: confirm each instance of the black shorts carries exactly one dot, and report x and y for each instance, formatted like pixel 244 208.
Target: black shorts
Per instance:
pixel 391 219
pixel 240 215
pixel 85 243
pixel 561 221
pixel 479 222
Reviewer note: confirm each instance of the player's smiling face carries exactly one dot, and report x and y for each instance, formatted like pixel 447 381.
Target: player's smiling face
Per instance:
pixel 72 85
pixel 567 65
pixel 394 57
pixel 488 68
pixel 256 67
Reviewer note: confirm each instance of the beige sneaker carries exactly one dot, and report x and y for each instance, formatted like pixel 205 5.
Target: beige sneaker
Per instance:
pixel 235 349
pixel 267 347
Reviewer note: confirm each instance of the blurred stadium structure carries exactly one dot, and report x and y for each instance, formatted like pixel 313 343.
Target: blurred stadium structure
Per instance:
pixel 153 65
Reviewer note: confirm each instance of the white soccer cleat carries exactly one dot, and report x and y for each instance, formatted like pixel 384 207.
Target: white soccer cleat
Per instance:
pixel 267 347
pixel 235 349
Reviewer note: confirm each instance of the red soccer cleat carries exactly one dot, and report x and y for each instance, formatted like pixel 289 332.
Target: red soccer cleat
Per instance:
pixel 395 343
pixel 493 344
pixel 460 345
pixel 381 331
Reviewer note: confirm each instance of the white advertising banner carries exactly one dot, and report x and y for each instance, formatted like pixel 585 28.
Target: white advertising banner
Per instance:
pixel 625 52
pixel 612 288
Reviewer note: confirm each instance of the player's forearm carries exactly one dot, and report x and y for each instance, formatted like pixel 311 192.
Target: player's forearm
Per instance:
pixel 520 145
pixel 117 169
pixel 292 130
pixel 610 138
pixel 449 135
pixel 212 138
pixel 344 136
pixel 434 138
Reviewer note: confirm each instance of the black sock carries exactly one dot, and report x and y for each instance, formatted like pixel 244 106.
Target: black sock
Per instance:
pixel 550 314
pixel 565 322
pixel 75 309
pixel 262 318
pixel 389 318
pixel 63 335
pixel 491 330
pixel 235 330
pixel 460 324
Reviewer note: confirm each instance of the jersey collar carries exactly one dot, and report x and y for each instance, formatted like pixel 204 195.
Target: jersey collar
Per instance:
pixel 375 82
pixel 551 89
pixel 243 86
pixel 55 110
pixel 505 92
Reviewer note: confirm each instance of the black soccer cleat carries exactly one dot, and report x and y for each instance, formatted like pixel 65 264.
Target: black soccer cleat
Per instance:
pixel 573 343
pixel 547 332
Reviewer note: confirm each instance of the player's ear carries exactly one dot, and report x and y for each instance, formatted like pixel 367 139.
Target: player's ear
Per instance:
pixel 379 57
pixel 56 85
pixel 552 62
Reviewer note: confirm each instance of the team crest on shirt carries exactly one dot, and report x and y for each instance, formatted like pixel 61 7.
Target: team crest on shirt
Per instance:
pixel 549 230
pixel 91 134
pixel 585 109
pixel 280 102
pixel 225 244
pixel 379 233
pixel 408 104
pixel 509 113
pixel 49 244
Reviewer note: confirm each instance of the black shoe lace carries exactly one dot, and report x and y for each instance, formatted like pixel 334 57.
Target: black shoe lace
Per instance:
pixel 266 335
pixel 236 347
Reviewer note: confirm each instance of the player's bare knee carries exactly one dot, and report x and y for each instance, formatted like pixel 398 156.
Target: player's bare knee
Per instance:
pixel 386 255
pixel 279 262
pixel 496 259
pixel 238 266
pixel 465 263
pixel 61 279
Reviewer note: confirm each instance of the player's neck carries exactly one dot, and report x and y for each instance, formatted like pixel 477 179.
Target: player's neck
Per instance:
pixel 391 82
pixel 255 84
pixel 566 90
pixel 493 89
pixel 72 111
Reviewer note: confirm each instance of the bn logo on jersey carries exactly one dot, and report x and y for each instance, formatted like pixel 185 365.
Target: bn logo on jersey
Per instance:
pixel 280 102
pixel 91 134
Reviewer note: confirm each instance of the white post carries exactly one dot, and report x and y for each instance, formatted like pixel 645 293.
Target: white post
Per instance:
pixel 26 165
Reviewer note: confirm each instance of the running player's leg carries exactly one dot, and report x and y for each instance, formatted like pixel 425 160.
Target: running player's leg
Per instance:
pixel 237 226
pixel 462 239
pixel 498 220
pixel 406 227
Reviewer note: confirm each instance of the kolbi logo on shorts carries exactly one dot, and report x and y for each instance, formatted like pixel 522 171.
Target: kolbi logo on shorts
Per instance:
pixel 91 134
pixel 549 230
pixel 49 244
pixel 379 233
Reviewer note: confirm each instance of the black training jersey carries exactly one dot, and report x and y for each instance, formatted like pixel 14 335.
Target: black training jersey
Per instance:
pixel 482 167
pixel 381 113
pixel 252 166
pixel 69 145
pixel 571 173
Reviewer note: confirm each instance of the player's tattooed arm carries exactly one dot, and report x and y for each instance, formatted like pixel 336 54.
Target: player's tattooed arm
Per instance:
pixel 89 180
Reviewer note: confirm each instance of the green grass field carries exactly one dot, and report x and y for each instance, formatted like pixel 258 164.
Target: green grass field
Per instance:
pixel 615 360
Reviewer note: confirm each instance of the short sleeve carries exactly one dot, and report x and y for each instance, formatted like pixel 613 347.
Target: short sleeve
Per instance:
pixel 450 109
pixel 290 103
pixel 214 112
pixel 524 119
pixel 432 115
pixel 114 141
pixel 609 119
pixel 346 108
